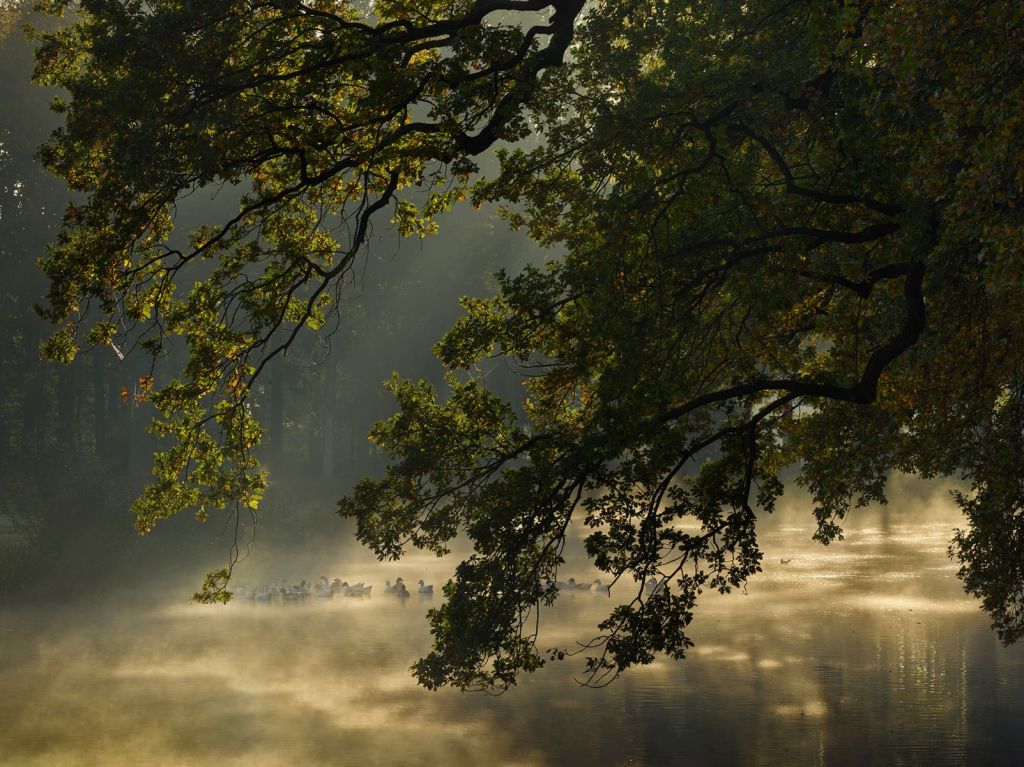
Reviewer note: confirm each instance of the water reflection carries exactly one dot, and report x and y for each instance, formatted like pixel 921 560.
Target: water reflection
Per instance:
pixel 863 652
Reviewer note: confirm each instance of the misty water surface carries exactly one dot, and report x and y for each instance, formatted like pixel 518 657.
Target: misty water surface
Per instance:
pixel 866 652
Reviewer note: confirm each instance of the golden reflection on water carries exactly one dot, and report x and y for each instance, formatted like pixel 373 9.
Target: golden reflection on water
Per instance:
pixel 863 652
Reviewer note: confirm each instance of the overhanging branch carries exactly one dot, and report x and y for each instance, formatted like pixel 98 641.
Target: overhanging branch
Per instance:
pixel 864 391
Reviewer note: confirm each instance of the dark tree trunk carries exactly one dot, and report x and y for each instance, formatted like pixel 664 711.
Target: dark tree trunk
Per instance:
pixel 67 394
pixel 99 403
pixel 35 405
pixel 4 436
pixel 276 426
pixel 327 420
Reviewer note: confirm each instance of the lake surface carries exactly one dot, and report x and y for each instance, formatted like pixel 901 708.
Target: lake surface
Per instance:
pixel 864 652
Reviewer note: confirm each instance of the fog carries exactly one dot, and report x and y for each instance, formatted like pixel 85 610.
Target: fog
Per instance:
pixel 866 651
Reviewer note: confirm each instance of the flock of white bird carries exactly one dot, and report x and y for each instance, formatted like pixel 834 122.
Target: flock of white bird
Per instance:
pixel 572 585
pixel 328 589
pixel 321 589
pixel 651 586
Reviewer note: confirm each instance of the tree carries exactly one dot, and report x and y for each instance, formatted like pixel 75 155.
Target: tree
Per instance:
pixel 787 234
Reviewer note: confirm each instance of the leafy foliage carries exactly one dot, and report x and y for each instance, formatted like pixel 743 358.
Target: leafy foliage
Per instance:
pixel 789 235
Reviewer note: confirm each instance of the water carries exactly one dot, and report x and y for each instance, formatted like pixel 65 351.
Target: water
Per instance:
pixel 865 652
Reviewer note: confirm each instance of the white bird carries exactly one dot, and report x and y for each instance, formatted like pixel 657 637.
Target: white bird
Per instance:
pixel 424 589
pixel 601 587
pixel 324 592
pixel 388 588
pixel 244 592
pixel 654 587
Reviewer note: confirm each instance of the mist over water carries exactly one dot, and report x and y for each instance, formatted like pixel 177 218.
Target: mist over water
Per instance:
pixel 863 652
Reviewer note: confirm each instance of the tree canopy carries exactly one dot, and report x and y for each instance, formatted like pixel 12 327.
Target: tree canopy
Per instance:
pixel 784 234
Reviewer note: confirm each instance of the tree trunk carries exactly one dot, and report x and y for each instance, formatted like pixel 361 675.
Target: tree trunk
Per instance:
pixel 35 403
pixel 276 425
pixel 327 420
pixel 5 388
pixel 99 403
pixel 67 394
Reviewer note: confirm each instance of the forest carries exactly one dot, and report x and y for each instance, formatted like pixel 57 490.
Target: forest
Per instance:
pixel 75 451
